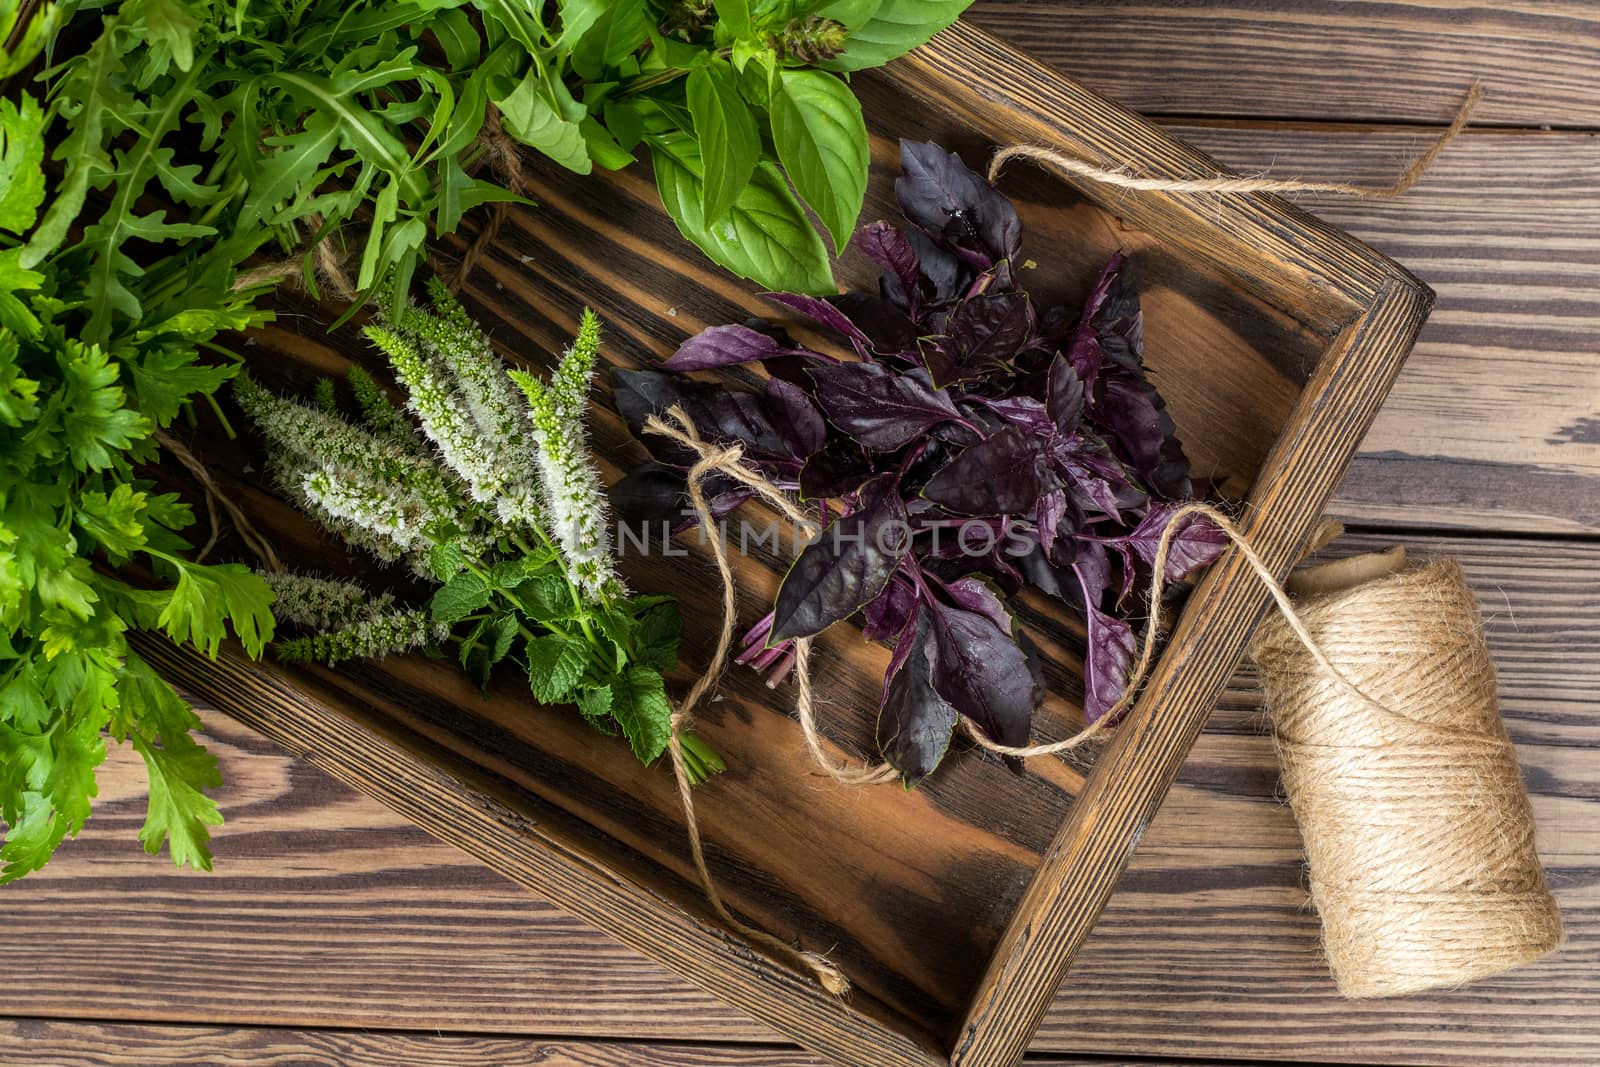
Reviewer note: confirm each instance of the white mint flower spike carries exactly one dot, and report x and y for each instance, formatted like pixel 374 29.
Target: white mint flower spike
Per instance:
pixel 306 438
pixel 321 603
pixel 574 496
pixel 434 402
pixel 382 634
pixel 389 511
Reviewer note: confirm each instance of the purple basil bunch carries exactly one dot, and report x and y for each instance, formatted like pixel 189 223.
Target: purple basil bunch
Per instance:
pixel 975 444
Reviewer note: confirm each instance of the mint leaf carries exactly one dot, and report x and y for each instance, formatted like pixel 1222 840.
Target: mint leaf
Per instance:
pixel 555 666
pixel 459 597
pixel 657 636
pixel 639 704
pixel 445 561
pixel 595 704
pixel 822 141
pixel 725 129
pixel 766 236
pixel 546 598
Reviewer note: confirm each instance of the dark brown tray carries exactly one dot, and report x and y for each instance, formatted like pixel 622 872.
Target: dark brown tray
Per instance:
pixel 955 909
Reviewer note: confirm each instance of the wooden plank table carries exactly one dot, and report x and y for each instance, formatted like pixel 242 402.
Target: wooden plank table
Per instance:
pixel 334 933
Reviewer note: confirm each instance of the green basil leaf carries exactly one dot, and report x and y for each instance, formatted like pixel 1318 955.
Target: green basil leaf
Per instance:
pixel 603 148
pixel 735 16
pixel 766 236
pixel 822 141
pixel 613 37
pixel 894 29
pixel 730 144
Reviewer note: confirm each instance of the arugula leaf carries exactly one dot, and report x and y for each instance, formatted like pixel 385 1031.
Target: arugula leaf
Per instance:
pixel 21 163
pixel 822 141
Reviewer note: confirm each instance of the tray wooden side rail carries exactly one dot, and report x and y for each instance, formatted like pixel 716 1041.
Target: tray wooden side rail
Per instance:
pixel 955 909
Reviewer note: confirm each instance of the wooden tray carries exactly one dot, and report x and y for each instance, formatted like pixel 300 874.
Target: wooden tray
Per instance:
pixel 955 909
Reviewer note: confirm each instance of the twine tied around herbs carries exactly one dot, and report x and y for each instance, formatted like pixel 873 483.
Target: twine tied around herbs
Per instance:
pixel 1501 914
pixel 1079 167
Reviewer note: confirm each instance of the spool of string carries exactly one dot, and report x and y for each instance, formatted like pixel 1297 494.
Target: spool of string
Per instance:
pixel 1417 828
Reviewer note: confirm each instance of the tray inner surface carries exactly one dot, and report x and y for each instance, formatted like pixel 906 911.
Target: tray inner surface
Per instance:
pixel 909 892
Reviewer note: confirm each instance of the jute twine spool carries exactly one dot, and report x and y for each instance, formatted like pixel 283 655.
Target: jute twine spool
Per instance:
pixel 1417 828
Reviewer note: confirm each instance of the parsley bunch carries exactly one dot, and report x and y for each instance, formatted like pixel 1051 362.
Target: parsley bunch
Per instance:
pixel 83 391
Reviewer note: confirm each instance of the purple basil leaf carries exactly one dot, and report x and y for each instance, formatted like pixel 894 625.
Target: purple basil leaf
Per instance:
pixel 1024 412
pixel 1056 521
pixel 915 723
pixel 1107 662
pixel 1196 543
pixel 974 594
pixel 846 567
pixel 652 494
pixel 1065 396
pixel 890 249
pixel 887 329
pixel 795 417
pixel 881 408
pixel 824 313
pixel 1119 324
pixel 938 193
pixel 979 668
pixel 840 467
pixel 890 612
pixel 999 476
pixel 1108 656
pixel 946 274
pixel 989 330
pixel 717 412
pixel 1136 418
pixel 724 346
pixel 1093 568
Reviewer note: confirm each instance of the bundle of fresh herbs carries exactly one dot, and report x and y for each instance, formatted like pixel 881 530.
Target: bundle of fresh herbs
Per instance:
pixel 975 444
pixel 89 549
pixel 186 138
pixel 264 120
pixel 488 491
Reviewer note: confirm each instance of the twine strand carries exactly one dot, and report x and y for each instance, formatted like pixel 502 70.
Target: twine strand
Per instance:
pixel 718 458
pixel 1079 167
pixel 215 498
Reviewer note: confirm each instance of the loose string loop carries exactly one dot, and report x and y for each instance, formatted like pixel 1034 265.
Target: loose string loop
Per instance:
pixel 1119 177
